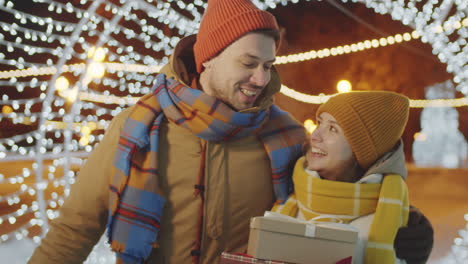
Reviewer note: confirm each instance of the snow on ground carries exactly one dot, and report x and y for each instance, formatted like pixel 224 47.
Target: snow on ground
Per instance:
pixel 19 251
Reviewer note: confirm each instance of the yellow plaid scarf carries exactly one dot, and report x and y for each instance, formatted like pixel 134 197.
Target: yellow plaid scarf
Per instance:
pixel 314 197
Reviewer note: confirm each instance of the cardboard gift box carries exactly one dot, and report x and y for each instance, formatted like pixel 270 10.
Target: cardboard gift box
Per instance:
pixel 287 239
pixel 228 258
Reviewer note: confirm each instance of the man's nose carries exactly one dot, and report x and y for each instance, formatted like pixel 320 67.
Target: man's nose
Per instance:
pixel 260 77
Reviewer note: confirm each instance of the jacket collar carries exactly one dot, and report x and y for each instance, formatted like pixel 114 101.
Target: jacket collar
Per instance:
pixel 181 67
pixel 393 162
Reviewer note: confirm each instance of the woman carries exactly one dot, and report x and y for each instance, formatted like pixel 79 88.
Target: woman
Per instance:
pixel 353 171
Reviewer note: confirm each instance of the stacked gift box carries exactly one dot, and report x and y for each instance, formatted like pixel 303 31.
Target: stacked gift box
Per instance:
pixel 227 258
pixel 288 240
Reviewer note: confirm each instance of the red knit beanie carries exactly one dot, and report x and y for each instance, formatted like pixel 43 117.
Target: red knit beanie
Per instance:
pixel 224 22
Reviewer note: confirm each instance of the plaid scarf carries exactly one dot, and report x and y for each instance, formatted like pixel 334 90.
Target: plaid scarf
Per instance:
pixel 347 201
pixel 136 201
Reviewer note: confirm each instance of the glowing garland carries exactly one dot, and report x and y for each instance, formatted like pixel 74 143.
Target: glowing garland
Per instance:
pixel 109 99
pixel 309 55
pixel 313 54
pixel 433 22
pixel 79 67
pixel 363 45
pixel 340 50
pixel 320 99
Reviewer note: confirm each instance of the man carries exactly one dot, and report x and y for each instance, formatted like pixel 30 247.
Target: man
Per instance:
pixel 178 176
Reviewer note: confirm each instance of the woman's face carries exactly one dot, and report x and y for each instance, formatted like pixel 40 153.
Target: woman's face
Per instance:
pixel 330 153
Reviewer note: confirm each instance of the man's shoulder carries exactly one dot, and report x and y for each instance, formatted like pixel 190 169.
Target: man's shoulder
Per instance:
pixel 122 116
pixel 119 120
pixel 285 116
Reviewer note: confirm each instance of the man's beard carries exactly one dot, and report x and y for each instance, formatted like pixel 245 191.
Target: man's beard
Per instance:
pixel 217 93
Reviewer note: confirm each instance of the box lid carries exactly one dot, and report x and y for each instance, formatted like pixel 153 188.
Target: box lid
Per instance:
pixel 322 230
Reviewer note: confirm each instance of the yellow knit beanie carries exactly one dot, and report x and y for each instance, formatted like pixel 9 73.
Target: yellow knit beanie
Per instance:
pixel 372 121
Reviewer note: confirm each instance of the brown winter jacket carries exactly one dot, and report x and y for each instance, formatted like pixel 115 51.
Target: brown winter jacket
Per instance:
pixel 237 178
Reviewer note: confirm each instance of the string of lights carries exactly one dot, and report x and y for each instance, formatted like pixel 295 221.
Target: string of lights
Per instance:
pixel 313 54
pixel 32 34
pixel 433 22
pixel 79 67
pixel 30 49
pixel 414 103
pixel 345 49
pixel 22 232
pixel 24 17
pixel 115 67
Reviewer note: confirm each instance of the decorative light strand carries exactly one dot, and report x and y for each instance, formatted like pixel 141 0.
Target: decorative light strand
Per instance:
pixel 345 49
pixel 311 99
pixel 30 49
pixel 108 99
pixel 33 34
pixel 14 62
pixel 362 45
pixel 313 54
pixel 21 233
pixel 302 97
pixel 23 17
pixel 79 67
